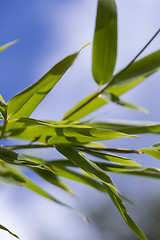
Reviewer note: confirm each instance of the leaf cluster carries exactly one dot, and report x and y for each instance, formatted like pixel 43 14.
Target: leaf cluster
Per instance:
pixel 76 140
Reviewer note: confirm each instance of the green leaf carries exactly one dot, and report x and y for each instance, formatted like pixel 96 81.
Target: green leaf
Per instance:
pixel 121 207
pixel 6 229
pixel 25 102
pixel 10 177
pixel 62 171
pixel 133 75
pixel 3 107
pixel 31 129
pixel 52 178
pixel 11 157
pixel 151 152
pixel 97 102
pixel 111 157
pixel 129 127
pixel 3 47
pixel 105 42
pixel 90 167
pixel 35 188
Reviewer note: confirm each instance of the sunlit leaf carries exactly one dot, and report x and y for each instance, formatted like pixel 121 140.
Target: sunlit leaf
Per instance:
pixel 25 102
pixel 105 42
pixel 3 47
pixel 134 75
pixel 129 127
pixel 151 152
pixel 31 129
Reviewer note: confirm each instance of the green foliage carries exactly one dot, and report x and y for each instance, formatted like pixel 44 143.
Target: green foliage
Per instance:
pixel 73 138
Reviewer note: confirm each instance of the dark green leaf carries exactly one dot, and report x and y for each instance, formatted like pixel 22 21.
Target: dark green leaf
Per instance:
pixel 52 178
pixel 6 229
pixel 10 177
pixel 105 42
pixel 3 108
pixel 90 167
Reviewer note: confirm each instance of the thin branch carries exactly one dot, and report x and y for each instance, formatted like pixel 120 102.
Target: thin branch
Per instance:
pixel 31 146
pixel 112 80
pixel 28 146
pixel 105 149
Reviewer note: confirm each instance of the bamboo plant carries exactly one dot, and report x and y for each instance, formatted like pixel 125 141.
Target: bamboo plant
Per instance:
pixel 74 138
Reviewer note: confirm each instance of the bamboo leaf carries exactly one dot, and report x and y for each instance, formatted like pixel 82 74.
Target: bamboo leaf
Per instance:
pixel 31 129
pixel 151 152
pixel 121 207
pixel 52 178
pixel 11 157
pixel 6 229
pixel 3 108
pixel 87 165
pixel 3 47
pixel 105 42
pixel 10 177
pixel 111 157
pixel 134 75
pixel 25 102
pixel 129 127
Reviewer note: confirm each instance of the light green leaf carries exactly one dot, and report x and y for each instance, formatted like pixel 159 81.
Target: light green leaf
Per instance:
pixel 3 47
pixel 90 167
pixel 8 177
pixel 3 108
pixel 31 129
pixel 11 157
pixel 25 102
pixel 151 152
pixel 6 229
pixel 133 75
pixel 129 127
pixel 111 157
pixel 105 42
pixel 79 111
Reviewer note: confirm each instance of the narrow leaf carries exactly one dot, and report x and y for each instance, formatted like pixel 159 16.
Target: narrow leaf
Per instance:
pixel 3 108
pixel 6 229
pixel 129 127
pixel 151 152
pixel 105 42
pixel 10 177
pixel 134 75
pixel 31 129
pixel 3 47
pixel 25 102
pixel 87 165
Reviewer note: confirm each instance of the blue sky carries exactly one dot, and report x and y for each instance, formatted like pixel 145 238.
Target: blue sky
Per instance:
pixel 48 31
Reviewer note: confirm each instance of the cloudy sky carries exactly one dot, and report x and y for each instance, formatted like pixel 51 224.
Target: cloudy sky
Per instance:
pixel 49 30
